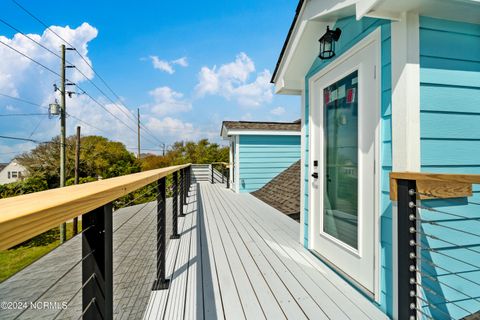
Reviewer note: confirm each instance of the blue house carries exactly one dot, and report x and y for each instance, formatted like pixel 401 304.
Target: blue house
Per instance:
pixel 392 86
pixel 259 151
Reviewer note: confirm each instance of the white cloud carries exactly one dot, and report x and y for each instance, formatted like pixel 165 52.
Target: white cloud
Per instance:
pixel 231 82
pixel 168 101
pixel 278 111
pixel 19 72
pixel 172 129
pixel 181 62
pixel 167 66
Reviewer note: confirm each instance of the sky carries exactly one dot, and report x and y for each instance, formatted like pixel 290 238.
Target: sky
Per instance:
pixel 187 65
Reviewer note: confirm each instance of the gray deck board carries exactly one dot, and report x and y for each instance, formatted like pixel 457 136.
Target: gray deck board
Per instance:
pixel 246 263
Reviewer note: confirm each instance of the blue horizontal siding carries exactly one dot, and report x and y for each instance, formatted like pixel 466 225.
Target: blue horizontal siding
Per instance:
pixel 450 143
pixel 263 157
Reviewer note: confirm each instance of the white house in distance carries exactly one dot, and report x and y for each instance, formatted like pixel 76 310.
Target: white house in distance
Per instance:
pixel 12 172
pixel 399 92
pixel 259 151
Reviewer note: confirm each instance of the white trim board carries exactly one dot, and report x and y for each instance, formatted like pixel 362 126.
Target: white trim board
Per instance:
pixel 239 132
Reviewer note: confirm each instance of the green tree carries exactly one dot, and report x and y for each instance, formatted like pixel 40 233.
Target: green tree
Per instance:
pixel 28 185
pixel 200 152
pixel 98 157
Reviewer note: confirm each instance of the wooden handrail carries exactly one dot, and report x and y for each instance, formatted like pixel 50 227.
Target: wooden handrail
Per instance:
pixel 436 185
pixel 26 216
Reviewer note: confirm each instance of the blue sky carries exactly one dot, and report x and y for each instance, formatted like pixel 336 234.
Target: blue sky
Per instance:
pixel 187 65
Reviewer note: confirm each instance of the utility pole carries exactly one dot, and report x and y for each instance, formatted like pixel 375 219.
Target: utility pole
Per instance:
pixel 138 134
pixel 77 167
pixel 163 149
pixel 63 226
pixel 63 112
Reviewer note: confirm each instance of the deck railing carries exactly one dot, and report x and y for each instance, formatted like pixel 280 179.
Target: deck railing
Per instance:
pixel 220 173
pixel 24 217
pixel 438 241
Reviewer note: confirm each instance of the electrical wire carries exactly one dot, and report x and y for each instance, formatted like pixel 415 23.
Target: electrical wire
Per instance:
pixel 23 114
pixel 31 59
pixel 89 65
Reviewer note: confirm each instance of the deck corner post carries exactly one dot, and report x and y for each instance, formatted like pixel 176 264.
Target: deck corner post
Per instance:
pixel 97 264
pixel 175 234
pixel 161 283
pixel 185 186
pixel 228 178
pixel 182 192
pixel 407 252
pixel 213 181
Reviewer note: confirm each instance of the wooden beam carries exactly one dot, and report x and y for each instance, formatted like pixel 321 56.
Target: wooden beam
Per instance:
pixel 26 216
pixel 436 185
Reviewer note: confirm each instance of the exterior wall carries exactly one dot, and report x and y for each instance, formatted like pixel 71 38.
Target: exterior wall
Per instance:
pixel 352 32
pixel 450 143
pixel 262 157
pixel 12 167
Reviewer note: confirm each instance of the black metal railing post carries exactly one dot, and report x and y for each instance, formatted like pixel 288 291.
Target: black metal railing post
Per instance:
pixel 228 178
pixel 175 234
pixel 223 174
pixel 407 261
pixel 161 283
pixel 185 191
pixel 182 192
pixel 212 174
pixel 97 267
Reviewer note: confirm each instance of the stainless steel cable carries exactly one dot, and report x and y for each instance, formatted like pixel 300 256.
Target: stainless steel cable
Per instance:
pixel 426 275
pixel 451 272
pixel 446 241
pixel 75 294
pixel 449 199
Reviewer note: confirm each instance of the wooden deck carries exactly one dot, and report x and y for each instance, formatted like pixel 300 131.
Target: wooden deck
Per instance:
pixel 239 258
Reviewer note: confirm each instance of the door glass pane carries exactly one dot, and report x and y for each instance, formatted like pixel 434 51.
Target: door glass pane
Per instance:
pixel 340 215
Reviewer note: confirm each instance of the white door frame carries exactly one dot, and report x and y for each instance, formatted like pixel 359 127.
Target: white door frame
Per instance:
pixel 375 38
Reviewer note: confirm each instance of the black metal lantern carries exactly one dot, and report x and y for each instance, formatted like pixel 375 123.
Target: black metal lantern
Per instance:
pixel 327 43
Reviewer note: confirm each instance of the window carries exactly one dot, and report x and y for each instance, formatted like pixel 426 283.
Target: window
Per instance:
pixel 14 174
pixel 8 174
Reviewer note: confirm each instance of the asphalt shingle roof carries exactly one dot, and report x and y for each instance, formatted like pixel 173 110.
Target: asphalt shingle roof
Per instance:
pixel 283 191
pixel 255 125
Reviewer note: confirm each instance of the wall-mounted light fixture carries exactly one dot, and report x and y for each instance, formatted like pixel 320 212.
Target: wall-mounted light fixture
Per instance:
pixel 327 43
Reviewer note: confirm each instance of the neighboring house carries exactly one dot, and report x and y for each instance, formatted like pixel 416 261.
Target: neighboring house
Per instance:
pixel 402 93
pixel 12 172
pixel 259 151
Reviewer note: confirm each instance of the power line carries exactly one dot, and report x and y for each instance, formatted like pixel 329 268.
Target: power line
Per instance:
pixel 90 66
pixel 22 114
pixel 21 100
pixel 31 59
pixel 22 139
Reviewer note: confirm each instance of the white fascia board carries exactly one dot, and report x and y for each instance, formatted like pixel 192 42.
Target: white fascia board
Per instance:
pixel 459 10
pixel 363 7
pixel 288 87
pixel 239 132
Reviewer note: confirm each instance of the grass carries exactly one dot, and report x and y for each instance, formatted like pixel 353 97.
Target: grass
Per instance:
pixel 22 255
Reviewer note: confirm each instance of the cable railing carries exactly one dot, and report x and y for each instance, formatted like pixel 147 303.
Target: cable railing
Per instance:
pixel 219 172
pixel 438 245
pixel 24 217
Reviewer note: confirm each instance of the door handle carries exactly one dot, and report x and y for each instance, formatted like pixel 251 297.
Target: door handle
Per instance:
pixel 315 175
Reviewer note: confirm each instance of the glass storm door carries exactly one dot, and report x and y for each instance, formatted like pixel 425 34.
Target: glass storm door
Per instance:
pixel 345 115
